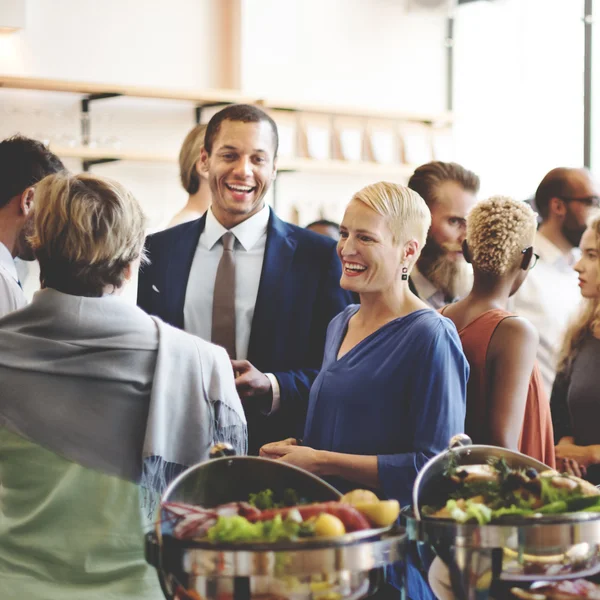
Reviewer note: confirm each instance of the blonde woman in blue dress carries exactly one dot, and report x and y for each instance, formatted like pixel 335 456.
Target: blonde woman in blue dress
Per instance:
pixel 391 390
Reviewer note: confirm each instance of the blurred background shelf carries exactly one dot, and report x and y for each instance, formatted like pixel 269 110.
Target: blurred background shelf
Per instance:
pixel 214 96
pixel 306 165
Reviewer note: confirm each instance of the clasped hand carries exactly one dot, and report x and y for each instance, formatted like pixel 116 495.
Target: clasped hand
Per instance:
pixel 290 452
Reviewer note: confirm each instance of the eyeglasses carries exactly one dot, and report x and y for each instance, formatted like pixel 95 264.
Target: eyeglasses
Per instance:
pixel 592 201
pixel 534 257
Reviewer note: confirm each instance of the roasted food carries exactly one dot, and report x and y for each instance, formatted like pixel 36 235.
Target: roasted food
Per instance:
pixel 244 522
pixel 492 492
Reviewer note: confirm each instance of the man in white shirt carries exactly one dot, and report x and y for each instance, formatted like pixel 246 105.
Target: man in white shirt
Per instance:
pixel 23 162
pixel 242 278
pixel 549 297
pixel 441 274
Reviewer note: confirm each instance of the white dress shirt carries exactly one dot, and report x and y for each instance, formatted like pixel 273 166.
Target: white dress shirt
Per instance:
pixel 549 298
pixel 11 295
pixel 249 249
pixel 426 290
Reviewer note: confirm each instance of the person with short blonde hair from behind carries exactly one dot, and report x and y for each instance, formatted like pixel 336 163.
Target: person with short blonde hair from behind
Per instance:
pixel 96 398
pixel 574 399
pixel 192 177
pixel 92 254
pixel 391 390
pixel 506 402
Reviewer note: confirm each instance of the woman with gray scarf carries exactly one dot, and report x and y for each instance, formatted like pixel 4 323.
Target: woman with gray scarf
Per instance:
pixel 101 405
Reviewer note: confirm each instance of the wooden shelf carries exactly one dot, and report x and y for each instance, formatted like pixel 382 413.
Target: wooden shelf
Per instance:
pixel 443 118
pixel 304 165
pixel 57 85
pixel 342 167
pixel 99 153
pixel 215 96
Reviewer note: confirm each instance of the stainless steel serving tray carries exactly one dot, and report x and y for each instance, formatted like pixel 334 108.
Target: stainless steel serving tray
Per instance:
pixel 474 555
pixel 297 570
pixel 429 484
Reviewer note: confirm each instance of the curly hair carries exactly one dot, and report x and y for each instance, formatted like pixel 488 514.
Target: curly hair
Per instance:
pixel 586 322
pixel 498 230
pixel 189 156
pixel 86 231
pixel 407 213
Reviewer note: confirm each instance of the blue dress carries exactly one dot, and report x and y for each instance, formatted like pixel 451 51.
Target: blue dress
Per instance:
pixel 399 394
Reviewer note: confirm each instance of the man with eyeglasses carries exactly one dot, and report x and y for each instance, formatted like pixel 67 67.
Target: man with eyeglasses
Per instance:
pixel 549 296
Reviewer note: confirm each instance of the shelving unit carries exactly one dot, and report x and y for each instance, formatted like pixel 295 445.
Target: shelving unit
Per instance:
pixel 92 92
pixel 307 165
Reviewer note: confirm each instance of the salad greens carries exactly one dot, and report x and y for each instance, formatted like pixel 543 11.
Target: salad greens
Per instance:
pixel 239 529
pixel 265 499
pixel 485 493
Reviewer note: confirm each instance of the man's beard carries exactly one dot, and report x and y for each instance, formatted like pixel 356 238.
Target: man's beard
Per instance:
pixel 24 250
pixel 452 277
pixel 572 230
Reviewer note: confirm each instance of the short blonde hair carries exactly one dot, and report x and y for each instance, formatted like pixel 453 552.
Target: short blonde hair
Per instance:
pixel 407 214
pixel 498 230
pixel 188 157
pixel 86 231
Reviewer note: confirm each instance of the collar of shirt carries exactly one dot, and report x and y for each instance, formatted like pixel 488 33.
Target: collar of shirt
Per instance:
pixel 551 254
pixel 7 262
pixel 426 290
pixel 247 233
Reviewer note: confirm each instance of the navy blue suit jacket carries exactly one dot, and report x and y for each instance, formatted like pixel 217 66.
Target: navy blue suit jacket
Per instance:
pixel 298 295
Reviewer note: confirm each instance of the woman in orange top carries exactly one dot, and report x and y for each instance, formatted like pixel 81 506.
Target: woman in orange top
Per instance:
pixel 506 402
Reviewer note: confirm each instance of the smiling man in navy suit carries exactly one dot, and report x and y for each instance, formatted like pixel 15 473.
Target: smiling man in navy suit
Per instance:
pixel 240 277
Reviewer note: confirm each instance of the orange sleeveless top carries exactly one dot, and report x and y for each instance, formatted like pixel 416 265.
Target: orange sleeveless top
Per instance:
pixel 537 436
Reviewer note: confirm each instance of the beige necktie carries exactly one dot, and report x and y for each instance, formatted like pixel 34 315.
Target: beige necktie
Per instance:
pixel 223 315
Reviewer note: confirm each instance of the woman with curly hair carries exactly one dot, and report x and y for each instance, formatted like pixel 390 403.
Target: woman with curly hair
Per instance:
pixel 506 402
pixel 575 406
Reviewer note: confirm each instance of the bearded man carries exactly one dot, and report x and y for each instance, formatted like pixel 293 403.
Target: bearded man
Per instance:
pixel 549 297
pixel 442 274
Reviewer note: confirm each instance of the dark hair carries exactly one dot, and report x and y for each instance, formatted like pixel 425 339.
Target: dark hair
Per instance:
pixel 323 223
pixel 428 177
pixel 24 162
pixel 245 113
pixel 554 185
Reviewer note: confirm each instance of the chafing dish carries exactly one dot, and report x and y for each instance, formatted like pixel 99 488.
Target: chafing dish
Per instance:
pixel 348 566
pixel 470 561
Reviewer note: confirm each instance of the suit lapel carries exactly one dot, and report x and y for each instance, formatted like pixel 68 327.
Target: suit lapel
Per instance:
pixel 180 263
pixel 271 302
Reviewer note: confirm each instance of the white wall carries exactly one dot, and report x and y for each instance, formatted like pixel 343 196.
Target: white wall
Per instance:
pixel 519 91
pixel 354 52
pixel 140 42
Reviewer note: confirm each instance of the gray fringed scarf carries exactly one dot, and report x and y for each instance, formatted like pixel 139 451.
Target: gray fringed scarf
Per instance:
pixel 101 383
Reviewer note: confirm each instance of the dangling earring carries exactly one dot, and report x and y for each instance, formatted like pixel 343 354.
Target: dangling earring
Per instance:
pixel 404 273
